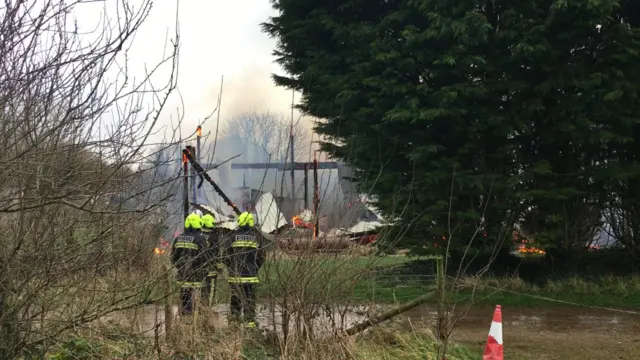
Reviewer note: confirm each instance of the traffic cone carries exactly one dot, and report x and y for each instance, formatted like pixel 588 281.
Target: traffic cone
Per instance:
pixel 494 349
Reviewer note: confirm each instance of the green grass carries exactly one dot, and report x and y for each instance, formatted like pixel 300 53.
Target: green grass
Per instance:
pixel 345 277
pixel 386 280
pixel 389 293
pixel 348 263
pixel 378 281
pixel 348 277
pixel 605 292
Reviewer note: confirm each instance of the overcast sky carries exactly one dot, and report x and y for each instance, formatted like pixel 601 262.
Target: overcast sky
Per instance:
pixel 217 38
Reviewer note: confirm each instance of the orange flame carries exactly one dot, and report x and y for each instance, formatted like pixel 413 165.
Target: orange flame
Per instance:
pixel 164 244
pixel 297 222
pixel 199 131
pixel 523 249
pixel 184 159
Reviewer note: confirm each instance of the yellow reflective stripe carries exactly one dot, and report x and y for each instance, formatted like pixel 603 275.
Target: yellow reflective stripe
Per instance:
pixel 245 244
pixel 250 325
pixel 243 280
pixel 186 245
pixel 220 266
pixel 190 284
pixel 212 273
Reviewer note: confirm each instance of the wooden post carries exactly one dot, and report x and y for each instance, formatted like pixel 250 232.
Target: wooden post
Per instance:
pixel 196 191
pixel 306 186
pixel 168 305
pixel 185 186
pixel 292 172
pixel 437 290
pixel 316 196
pixel 193 176
pixel 441 325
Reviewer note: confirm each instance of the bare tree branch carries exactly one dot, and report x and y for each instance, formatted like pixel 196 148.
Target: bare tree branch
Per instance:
pixel 80 202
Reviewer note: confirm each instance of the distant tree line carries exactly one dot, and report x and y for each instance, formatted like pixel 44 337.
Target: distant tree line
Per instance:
pixel 470 117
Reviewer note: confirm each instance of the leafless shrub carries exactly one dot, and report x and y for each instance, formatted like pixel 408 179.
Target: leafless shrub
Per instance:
pixel 268 133
pixel 450 311
pixel 77 209
pixel 309 295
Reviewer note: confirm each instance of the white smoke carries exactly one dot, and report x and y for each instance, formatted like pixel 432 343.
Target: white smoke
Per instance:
pixel 215 157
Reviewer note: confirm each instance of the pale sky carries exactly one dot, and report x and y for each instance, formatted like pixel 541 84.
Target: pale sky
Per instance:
pixel 217 38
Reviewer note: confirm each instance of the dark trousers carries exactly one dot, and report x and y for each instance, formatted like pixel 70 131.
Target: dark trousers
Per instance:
pixel 187 296
pixel 243 301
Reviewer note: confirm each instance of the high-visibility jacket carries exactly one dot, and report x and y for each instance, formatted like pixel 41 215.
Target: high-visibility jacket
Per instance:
pixel 244 255
pixel 189 257
pixel 212 240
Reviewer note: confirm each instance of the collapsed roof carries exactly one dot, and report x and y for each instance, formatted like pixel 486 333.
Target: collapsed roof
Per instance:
pixel 268 214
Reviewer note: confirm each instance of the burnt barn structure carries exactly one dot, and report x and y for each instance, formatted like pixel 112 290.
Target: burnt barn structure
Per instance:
pixel 335 204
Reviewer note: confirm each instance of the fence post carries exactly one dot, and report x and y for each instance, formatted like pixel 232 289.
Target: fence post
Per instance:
pixel 168 308
pixel 438 290
pixel 441 278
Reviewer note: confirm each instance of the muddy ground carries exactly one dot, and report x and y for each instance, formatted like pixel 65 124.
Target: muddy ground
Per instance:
pixel 561 333
pixel 556 333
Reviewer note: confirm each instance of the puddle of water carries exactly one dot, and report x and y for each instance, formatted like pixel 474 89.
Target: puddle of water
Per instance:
pixel 479 317
pixel 555 320
pixel 146 318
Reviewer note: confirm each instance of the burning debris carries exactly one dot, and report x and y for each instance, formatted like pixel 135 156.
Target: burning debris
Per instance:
pixel 525 247
pixel 304 219
pixel 162 247
pixel 267 208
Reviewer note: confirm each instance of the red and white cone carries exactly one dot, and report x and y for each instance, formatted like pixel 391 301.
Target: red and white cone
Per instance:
pixel 494 350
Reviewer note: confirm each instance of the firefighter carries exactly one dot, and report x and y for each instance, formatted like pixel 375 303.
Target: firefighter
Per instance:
pixel 213 258
pixel 244 255
pixel 188 256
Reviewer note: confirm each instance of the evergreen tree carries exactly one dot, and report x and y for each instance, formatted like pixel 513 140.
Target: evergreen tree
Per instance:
pixel 463 117
pixel 578 81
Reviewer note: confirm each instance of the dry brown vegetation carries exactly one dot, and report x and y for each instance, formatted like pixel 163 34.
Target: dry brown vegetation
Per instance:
pixel 77 209
pixel 400 340
pixel 306 312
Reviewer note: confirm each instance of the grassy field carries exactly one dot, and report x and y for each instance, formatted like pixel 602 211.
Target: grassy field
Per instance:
pixel 349 278
pixel 605 292
pixel 387 280
pixel 378 280
pixel 381 280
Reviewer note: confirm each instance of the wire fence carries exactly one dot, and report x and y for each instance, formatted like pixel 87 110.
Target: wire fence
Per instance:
pixel 405 286
pixel 388 286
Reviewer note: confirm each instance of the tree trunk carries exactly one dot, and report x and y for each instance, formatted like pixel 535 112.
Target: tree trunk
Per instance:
pixel 391 313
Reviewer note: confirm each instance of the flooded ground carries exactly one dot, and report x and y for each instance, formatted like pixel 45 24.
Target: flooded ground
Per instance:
pixel 529 333
pixel 323 322
pixel 556 333
pixel 560 319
